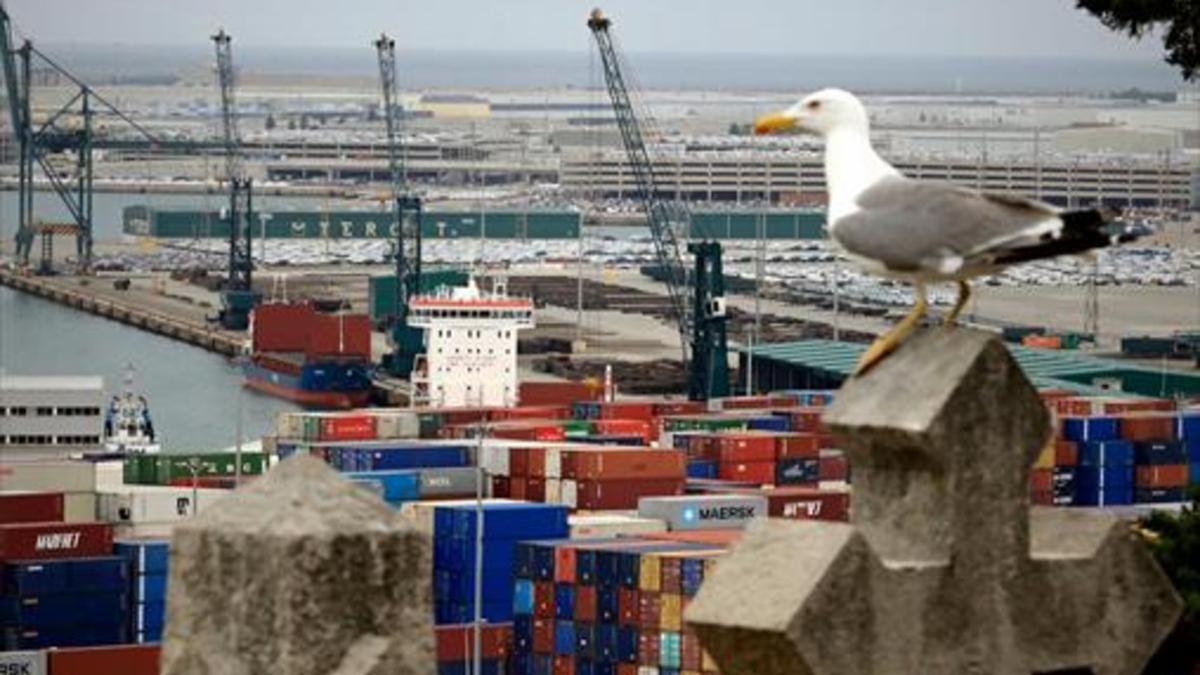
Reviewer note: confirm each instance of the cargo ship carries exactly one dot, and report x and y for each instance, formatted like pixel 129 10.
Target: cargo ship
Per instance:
pixel 317 360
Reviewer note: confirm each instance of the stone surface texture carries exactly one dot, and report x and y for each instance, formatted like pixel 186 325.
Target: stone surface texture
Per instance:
pixel 299 573
pixel 945 567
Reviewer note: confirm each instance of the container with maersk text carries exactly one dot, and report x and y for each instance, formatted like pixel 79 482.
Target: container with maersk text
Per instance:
pixel 704 512
pixel 23 663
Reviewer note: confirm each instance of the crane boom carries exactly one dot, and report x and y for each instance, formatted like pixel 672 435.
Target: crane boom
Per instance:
pixel 407 341
pixel 702 335
pixel 239 297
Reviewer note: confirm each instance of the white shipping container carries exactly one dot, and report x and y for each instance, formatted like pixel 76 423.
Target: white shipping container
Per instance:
pixel 396 423
pixel 60 476
pixel 612 525
pixel 553 463
pixel 23 663
pixel 290 425
pixel 553 490
pixel 154 504
pixel 110 474
pixel 495 459
pixel 78 507
pixel 144 530
pixel 569 493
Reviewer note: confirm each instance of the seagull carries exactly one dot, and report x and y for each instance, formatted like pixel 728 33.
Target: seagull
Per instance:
pixel 922 231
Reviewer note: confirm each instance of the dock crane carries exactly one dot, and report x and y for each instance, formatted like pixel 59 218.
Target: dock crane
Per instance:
pixel 702 329
pixel 239 296
pixel 406 340
pixel 68 129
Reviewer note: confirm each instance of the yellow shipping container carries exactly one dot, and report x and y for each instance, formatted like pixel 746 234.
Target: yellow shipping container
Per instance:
pixel 671 616
pixel 650 573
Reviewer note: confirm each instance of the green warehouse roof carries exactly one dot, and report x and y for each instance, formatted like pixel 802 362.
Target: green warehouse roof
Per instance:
pixel 1046 368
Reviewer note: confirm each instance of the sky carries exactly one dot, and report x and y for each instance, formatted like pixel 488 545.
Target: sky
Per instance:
pixel 1039 28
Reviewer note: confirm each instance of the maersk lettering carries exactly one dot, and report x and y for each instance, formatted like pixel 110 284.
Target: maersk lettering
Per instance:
pixel 60 541
pixel 16 668
pixel 727 513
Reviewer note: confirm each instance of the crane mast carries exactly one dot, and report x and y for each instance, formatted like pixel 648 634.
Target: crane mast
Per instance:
pixel 701 326
pixel 239 297
pixel 407 341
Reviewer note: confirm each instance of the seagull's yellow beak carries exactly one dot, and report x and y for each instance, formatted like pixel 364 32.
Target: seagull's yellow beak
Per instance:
pixel 774 123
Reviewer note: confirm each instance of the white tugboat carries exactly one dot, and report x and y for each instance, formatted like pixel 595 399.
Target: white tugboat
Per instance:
pixel 128 428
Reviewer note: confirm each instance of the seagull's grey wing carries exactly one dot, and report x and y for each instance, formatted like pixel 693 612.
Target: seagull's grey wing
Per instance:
pixel 910 225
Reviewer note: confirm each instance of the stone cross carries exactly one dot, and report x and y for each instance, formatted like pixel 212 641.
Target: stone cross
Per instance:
pixel 945 569
pixel 300 572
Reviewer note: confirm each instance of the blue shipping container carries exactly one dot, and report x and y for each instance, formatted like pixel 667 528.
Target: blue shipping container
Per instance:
pixel 411 457
pixel 1109 453
pixel 1082 429
pixel 486 667
pixel 564 638
pixel 509 521
pixel 1193 450
pixel 585 640
pixel 107 573
pixel 149 616
pixel 65 609
pixel 1159 453
pixel 1110 495
pixel 18 637
pixel 453 586
pixel 797 470
pixel 391 486
pixel 1093 477
pixel 1194 470
pixel 1188 427
pixel 1160 495
pixel 150 588
pixel 149 556
pixel 770 423
pixel 702 468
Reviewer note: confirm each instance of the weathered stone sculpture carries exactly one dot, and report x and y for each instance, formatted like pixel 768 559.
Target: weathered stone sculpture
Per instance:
pixel 945 568
pixel 299 573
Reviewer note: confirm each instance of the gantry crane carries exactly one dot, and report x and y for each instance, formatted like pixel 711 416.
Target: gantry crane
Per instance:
pixel 69 129
pixel 407 340
pixel 702 330
pixel 239 296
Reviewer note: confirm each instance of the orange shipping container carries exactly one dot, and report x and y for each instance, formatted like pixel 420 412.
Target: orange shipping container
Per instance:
pixel 790 446
pixel 348 428
pixel 807 419
pixel 1042 341
pixel 1148 427
pixel 1041 479
pixel 626 410
pixel 1066 453
pixel 1162 476
pixel 559 393
pixel 663 408
pixel 615 464
pixel 612 427
pixel 1138 405
pixel 116 660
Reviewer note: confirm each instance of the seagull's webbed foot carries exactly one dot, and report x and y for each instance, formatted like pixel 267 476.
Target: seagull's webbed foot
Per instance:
pixel 964 296
pixel 889 341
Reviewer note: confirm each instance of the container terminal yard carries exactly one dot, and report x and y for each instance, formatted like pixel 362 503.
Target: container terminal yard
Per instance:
pixel 588 345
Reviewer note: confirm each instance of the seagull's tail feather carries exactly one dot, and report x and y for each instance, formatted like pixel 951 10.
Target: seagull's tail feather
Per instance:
pixel 1082 231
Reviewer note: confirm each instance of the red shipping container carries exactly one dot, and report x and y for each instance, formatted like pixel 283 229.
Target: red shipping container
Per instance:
pixel 531 412
pixel 564 665
pixel 348 428
pixel 834 466
pixel 1041 497
pixel 339 335
pixel 628 669
pixel 762 473
pixel 543 599
pixel 663 408
pixel 518 461
pixel 1074 406
pixel 517 488
pixel 1138 405
pixel 585 603
pixel 672 575
pixel 1148 427
pixel 807 419
pixel 280 327
pixel 639 428
pixel 211 482
pixel 722 538
pixel 501 487
pixel 611 464
pixel 530 431
pixel 1066 453
pixel 543 636
pixel 626 410
pixel 31 507
pixel 460 416
pixel 1041 479
pixel 40 541
pixel 649 644
pixel 743 447
pixel 115 660
pixel 564 564
pixel 1162 476
pixel 559 393
pixel 628 609
pixel 799 445
pixel 623 493
pixel 456 642
pixel 690 654
pixel 535 489
pixel 650 613
pixel 808 504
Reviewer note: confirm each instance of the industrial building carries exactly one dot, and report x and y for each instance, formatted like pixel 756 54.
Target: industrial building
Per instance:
pixel 46 416
pixel 792 178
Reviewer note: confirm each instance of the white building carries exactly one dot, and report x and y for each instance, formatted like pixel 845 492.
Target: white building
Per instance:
pixel 44 416
pixel 470 346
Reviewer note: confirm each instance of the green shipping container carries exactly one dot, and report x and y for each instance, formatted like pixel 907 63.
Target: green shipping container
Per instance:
pixel 139 469
pixel 703 424
pixel 172 467
pixel 381 290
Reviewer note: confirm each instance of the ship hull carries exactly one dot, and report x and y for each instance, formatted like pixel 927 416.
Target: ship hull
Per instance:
pixel 312 387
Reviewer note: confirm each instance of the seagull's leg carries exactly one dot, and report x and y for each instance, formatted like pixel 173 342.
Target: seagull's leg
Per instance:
pixel 964 296
pixel 888 342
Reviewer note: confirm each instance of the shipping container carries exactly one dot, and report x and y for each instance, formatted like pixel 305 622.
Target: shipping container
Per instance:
pixel 37 541
pixel 23 663
pixel 1161 476
pixel 696 512
pixel 1148 427
pixel 340 335
pixel 605 464
pixel 1108 453
pixel 1091 429
pixel 348 427
pixel 48 476
pixel 155 504
pixel 611 524
pixel 455 643
pixel 31 507
pixel 1160 452
pixel 393 487
pixel 280 327
pixel 100 574
pixel 617 494
pixel 122 660
pixel 445 482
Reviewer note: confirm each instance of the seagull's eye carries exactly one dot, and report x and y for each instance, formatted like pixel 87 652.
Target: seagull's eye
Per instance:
pixel 813 105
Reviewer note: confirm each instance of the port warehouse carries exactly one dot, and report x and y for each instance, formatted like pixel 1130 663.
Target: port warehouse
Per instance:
pixel 194 224
pixel 825 364
pixel 778 177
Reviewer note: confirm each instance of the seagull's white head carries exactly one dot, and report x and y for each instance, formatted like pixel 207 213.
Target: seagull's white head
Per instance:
pixel 822 112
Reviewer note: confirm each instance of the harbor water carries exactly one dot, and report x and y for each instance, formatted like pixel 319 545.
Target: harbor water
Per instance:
pixel 194 395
